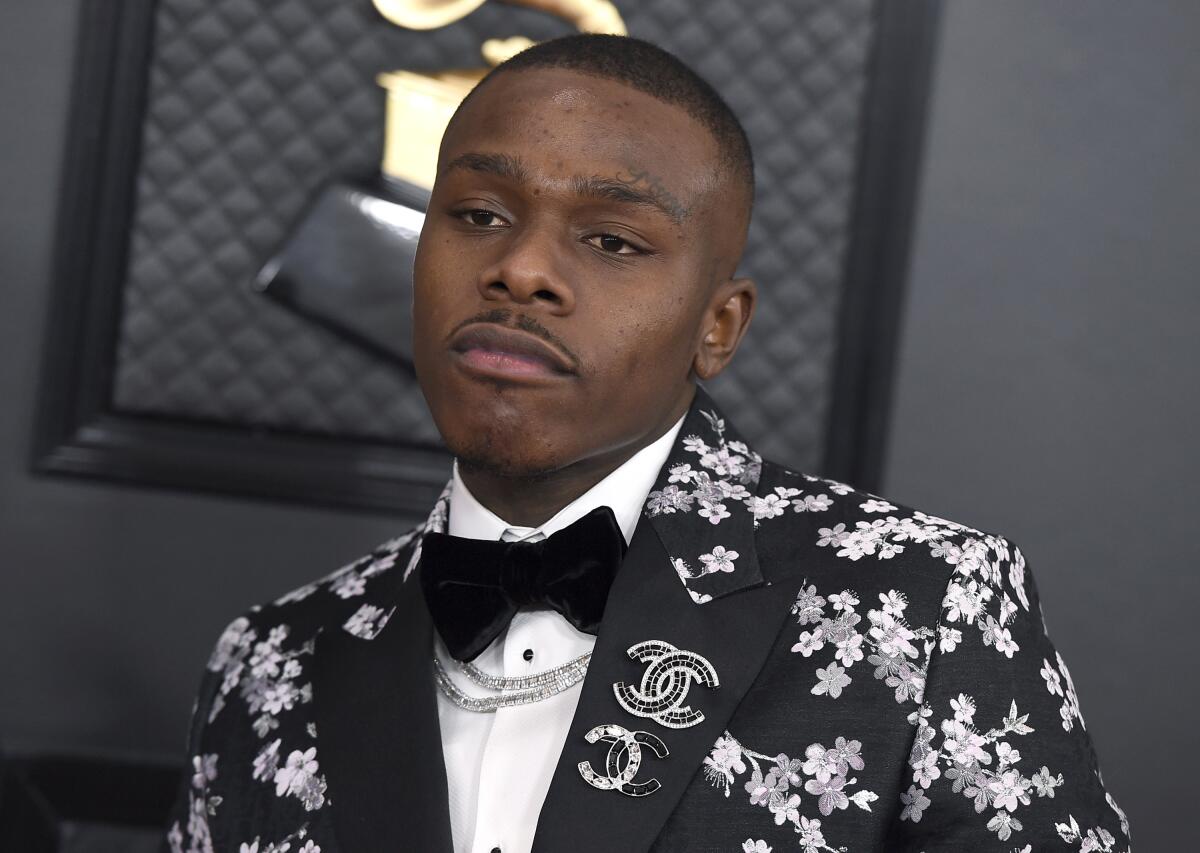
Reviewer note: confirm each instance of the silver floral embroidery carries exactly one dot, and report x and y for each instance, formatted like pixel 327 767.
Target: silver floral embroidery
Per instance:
pixel 1098 839
pixel 282 846
pixel 1059 683
pixel 979 561
pixel 298 778
pixel 726 468
pixel 889 644
pixel 266 676
pixel 366 622
pixel 981 765
pixel 1112 804
pixel 349 580
pixel 717 485
pixel 435 523
pixel 715 488
pixel 202 805
pixel 777 782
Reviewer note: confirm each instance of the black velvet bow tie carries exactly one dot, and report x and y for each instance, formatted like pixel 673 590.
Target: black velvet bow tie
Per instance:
pixel 474 586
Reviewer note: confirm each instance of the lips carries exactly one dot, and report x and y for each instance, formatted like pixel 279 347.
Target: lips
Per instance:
pixel 498 351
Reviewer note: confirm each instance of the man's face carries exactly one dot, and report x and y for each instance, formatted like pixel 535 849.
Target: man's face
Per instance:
pixel 565 275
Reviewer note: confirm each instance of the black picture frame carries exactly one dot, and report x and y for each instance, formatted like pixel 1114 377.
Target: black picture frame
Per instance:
pixel 877 264
pixel 79 433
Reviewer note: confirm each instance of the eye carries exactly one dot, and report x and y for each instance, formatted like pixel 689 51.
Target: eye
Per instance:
pixel 481 218
pixel 613 244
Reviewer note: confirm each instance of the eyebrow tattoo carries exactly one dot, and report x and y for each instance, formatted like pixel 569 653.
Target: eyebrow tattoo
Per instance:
pixel 492 164
pixel 638 188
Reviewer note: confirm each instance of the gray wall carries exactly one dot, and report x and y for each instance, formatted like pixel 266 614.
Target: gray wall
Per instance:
pixel 1046 391
pixel 110 597
pixel 1049 372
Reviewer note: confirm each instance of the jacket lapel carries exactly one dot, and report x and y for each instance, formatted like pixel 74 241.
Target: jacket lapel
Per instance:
pixel 378 732
pixel 691 578
pixel 724 611
pixel 734 634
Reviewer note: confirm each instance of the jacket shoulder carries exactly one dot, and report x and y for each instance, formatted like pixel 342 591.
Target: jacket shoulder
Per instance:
pixel 833 523
pixel 327 602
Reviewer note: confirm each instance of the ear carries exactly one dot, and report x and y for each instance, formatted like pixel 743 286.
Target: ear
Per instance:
pixel 725 322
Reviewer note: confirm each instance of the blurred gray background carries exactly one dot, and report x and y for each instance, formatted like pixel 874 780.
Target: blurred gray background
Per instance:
pixel 1046 389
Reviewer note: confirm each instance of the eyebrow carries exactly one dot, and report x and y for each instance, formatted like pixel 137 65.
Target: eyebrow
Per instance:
pixel 626 192
pixel 501 165
pixel 595 187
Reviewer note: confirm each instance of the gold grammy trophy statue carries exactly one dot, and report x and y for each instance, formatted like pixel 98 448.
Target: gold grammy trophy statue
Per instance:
pixel 347 265
pixel 420 104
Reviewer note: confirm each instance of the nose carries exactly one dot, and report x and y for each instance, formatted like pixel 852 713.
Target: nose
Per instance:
pixel 529 272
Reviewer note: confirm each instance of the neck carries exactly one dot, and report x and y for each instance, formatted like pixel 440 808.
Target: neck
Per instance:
pixel 531 501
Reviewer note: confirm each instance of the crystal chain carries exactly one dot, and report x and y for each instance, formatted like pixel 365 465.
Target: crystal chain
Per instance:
pixel 517 690
pixel 522 682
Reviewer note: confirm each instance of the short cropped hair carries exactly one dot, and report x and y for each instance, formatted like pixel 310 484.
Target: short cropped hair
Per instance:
pixel 650 69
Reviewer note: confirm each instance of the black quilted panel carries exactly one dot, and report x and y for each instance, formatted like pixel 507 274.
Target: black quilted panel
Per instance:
pixel 254 103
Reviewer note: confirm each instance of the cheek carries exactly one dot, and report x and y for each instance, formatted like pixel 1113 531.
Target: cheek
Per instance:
pixel 647 349
pixel 432 258
pixel 439 274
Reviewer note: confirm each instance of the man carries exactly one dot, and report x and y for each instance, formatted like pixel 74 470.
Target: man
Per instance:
pixel 620 629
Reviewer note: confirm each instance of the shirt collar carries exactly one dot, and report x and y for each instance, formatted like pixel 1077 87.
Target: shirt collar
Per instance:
pixel 624 490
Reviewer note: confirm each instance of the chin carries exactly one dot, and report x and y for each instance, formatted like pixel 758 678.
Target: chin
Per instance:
pixel 501 448
pixel 499 462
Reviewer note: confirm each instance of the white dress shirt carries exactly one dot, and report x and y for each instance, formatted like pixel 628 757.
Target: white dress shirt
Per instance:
pixel 499 764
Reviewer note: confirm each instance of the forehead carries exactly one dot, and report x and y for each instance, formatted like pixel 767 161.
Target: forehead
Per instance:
pixel 565 123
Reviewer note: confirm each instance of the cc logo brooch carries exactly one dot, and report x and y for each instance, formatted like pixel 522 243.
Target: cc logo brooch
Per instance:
pixel 660 697
pixel 665 684
pixel 623 762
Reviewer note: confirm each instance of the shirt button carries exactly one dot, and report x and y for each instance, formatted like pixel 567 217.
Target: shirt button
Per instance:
pixel 497 850
pixel 528 655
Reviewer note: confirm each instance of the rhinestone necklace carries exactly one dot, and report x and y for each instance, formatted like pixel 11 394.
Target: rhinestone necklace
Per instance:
pixel 514 690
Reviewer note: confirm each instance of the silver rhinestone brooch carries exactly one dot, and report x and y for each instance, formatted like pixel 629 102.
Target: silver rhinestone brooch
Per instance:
pixel 665 684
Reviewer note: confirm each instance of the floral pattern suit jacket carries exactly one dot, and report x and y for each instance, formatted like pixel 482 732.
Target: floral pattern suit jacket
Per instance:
pixel 885 684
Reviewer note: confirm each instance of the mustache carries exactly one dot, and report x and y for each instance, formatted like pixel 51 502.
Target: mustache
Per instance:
pixel 504 317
